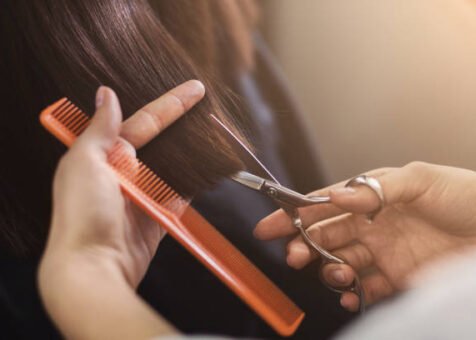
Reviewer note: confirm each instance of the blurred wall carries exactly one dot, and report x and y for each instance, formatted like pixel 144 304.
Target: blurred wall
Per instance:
pixel 384 82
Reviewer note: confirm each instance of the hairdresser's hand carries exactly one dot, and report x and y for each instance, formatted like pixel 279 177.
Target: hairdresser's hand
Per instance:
pixel 100 245
pixel 91 217
pixel 430 212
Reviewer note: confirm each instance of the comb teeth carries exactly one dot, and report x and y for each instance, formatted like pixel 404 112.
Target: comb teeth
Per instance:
pixel 66 121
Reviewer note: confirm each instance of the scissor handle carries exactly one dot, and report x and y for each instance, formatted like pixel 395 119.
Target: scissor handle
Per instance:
pixel 328 258
pixel 325 255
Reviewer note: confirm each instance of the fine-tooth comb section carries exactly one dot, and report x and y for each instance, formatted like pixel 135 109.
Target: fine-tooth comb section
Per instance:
pixel 149 186
pixel 143 187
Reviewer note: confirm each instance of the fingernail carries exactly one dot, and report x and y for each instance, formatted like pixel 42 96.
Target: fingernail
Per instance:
pixel 344 191
pixel 338 276
pixel 195 88
pixel 100 96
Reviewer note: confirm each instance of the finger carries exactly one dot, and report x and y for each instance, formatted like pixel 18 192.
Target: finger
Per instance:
pixel 106 122
pixel 359 199
pixel 400 185
pixel 152 119
pixel 407 183
pixel 338 275
pixel 332 233
pixel 357 258
pixel 376 287
pixel 357 255
pixel 278 224
pixel 350 301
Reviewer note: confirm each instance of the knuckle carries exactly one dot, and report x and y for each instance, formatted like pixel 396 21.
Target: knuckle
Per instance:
pixel 176 101
pixel 320 235
pixel 156 119
pixel 417 167
pixel 426 173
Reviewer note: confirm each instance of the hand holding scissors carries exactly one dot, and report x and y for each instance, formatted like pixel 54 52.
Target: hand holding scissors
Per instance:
pixel 258 178
pixel 429 214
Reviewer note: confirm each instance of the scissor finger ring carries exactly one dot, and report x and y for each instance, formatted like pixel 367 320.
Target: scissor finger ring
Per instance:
pixel 373 184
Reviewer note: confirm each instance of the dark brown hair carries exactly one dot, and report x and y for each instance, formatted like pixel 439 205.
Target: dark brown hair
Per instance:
pixel 68 48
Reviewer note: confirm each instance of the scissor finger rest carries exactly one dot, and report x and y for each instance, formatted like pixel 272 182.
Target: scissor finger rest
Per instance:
pixel 327 258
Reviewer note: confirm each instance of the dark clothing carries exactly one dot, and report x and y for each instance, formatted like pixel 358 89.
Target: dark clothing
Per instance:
pixel 182 289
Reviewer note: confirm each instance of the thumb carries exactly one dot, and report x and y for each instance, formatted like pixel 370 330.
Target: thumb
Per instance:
pixel 400 185
pixel 105 125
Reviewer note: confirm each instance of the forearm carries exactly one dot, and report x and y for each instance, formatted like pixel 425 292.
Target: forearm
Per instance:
pixel 92 300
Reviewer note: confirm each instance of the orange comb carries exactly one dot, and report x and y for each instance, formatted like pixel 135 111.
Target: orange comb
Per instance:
pixel 66 122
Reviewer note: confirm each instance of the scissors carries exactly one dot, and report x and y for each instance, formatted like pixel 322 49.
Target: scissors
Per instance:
pixel 259 178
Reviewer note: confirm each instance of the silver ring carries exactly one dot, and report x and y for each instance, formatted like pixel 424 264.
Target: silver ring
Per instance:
pixel 373 184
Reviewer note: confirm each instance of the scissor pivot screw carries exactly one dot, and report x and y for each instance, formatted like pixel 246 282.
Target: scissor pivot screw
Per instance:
pixel 272 192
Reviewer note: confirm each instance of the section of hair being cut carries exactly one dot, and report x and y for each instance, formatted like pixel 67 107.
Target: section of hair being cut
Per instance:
pixel 68 48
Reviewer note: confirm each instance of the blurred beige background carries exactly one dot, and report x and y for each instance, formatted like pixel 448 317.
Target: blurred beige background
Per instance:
pixel 384 82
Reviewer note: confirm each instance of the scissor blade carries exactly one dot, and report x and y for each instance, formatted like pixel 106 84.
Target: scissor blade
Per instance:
pixel 249 180
pixel 251 162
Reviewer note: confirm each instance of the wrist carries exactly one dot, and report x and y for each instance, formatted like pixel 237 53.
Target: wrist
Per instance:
pixel 65 274
pixel 86 295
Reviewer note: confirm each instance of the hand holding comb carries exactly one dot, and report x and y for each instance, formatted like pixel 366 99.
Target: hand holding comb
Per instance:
pixel 160 202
